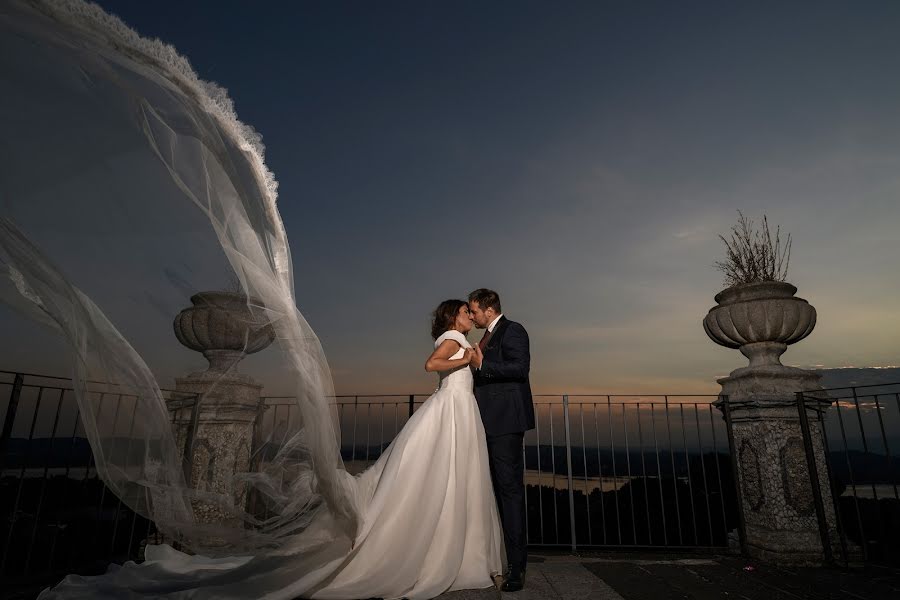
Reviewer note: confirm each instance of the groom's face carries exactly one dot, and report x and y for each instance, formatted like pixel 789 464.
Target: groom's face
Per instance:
pixel 481 317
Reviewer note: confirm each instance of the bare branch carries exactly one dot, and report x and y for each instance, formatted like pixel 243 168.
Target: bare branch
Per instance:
pixel 752 256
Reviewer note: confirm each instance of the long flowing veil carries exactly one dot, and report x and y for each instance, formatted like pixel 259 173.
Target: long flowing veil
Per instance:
pixel 127 186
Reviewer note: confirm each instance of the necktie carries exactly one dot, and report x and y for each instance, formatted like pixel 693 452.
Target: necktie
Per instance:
pixel 484 339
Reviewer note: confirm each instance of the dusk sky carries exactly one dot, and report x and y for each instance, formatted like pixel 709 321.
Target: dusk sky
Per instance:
pixel 579 158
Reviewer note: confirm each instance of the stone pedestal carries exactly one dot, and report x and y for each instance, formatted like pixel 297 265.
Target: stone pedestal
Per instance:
pixel 775 486
pixel 762 319
pixel 225 327
pixel 223 441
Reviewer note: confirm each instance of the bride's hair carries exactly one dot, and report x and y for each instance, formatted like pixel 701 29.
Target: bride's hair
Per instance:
pixel 444 316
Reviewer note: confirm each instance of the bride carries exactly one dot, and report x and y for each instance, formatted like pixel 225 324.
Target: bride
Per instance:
pixel 430 522
pixel 128 184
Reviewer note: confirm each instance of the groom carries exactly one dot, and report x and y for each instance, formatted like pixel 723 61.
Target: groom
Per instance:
pixel 501 364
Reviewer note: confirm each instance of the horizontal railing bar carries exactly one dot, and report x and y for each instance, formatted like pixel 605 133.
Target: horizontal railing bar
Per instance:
pixel 638 398
pixel 852 387
pixel 834 399
pixel 184 395
pixel 601 547
pixel 619 395
pixel 32 375
pixel 628 395
pixel 604 402
pixel 44 387
pixel 181 395
pixel 533 395
pixel 65 379
pixel 350 396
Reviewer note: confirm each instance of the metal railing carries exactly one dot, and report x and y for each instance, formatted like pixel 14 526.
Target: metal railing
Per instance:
pixel 600 471
pixel 860 434
pixel 607 471
pixel 367 423
pixel 57 515
pixel 639 471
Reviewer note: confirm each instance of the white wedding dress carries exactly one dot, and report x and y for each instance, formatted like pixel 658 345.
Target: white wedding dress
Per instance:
pixel 130 185
pixel 430 525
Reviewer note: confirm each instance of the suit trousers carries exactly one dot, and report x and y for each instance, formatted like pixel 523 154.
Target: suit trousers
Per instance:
pixel 505 454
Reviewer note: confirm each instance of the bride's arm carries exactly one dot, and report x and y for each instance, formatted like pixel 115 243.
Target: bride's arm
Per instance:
pixel 440 358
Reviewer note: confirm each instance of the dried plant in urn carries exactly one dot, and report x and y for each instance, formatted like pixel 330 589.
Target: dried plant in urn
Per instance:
pixel 752 256
pixel 757 311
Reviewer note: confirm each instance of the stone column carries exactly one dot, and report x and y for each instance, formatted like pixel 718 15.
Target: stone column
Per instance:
pixel 762 319
pixel 221 326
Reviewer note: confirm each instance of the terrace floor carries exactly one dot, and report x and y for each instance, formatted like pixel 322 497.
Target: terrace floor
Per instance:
pixel 627 576
pixel 619 576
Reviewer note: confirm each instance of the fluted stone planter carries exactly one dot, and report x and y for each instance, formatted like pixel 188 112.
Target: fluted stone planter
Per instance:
pixel 222 327
pixel 762 320
pixel 224 330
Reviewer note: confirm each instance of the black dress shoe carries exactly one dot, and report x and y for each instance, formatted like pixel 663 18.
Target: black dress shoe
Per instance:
pixel 513 582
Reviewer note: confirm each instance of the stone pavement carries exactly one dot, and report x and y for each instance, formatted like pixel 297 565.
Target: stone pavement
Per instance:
pixel 630 576
pixel 548 578
pixel 624 576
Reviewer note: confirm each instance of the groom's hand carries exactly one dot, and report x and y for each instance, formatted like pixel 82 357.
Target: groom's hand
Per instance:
pixel 477 357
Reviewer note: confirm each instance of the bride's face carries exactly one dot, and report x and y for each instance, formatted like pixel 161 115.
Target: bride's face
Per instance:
pixel 463 319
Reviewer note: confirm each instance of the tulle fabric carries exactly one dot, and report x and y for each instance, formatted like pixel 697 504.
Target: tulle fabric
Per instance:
pixel 430 525
pixel 128 185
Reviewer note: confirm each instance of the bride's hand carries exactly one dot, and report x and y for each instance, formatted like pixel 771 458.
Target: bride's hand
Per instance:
pixel 477 357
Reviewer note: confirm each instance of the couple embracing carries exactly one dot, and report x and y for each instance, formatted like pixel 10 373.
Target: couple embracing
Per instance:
pixel 496 371
pixel 443 507
pixel 444 504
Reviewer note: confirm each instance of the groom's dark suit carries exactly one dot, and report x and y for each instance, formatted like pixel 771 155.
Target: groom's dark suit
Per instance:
pixel 504 399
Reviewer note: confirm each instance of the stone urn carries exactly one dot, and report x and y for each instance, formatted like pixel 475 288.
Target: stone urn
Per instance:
pixel 222 327
pixel 761 319
pixel 216 435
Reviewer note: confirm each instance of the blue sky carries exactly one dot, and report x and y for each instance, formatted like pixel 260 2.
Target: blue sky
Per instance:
pixel 580 158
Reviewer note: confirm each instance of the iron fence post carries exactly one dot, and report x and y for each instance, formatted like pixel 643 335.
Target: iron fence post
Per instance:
pixel 732 451
pixel 814 479
pixel 188 453
pixel 11 408
pixel 835 505
pixel 569 470
pixel 256 454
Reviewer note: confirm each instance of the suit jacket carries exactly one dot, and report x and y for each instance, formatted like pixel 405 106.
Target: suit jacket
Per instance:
pixel 501 385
